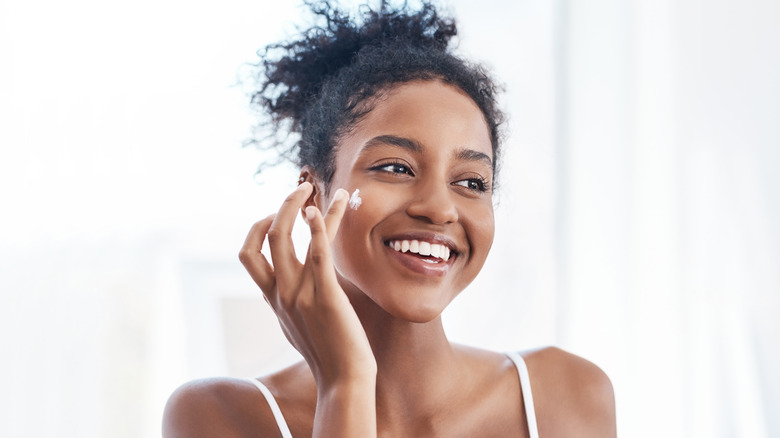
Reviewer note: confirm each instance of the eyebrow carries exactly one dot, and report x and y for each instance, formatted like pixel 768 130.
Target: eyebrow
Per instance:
pixel 402 142
pixel 472 155
pixel 414 146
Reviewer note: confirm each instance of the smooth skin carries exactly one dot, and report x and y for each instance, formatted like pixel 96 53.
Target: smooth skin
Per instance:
pixel 366 319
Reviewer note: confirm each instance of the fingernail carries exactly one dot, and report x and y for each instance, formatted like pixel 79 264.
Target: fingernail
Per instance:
pixel 340 194
pixel 310 212
pixel 302 186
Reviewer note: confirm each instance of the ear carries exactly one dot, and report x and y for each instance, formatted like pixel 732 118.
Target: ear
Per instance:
pixel 317 197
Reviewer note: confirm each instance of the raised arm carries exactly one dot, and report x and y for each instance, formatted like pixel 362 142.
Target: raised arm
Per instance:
pixel 316 315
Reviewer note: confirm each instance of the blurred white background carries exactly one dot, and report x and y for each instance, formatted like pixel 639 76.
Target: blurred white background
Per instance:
pixel 637 221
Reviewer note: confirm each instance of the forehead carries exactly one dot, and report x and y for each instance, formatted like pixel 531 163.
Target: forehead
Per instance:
pixel 439 116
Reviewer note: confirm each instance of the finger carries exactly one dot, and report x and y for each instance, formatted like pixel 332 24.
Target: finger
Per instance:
pixel 252 258
pixel 280 233
pixel 335 213
pixel 319 256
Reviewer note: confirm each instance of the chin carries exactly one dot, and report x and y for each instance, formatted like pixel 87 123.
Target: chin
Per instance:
pixel 405 301
pixel 416 310
pixel 419 316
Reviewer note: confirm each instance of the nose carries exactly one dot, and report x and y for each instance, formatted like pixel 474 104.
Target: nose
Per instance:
pixel 433 202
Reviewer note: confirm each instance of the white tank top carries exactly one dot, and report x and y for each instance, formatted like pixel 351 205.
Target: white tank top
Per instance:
pixel 525 388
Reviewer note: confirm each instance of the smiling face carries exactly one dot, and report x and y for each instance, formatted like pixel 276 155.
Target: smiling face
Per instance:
pixel 422 160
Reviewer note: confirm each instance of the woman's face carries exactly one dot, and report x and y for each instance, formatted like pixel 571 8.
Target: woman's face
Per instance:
pixel 422 160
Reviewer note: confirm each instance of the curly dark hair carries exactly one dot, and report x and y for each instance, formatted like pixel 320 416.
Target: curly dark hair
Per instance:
pixel 320 85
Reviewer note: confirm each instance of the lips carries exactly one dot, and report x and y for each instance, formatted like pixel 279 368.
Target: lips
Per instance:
pixel 430 254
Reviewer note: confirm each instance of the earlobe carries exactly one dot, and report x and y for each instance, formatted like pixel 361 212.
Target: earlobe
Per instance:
pixel 308 174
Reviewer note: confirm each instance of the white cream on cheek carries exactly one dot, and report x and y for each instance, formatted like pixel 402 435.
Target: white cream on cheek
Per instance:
pixel 355 200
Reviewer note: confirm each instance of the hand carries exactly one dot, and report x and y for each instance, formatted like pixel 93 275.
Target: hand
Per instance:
pixel 313 310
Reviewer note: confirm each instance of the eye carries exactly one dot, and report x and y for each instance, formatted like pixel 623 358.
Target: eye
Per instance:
pixel 397 168
pixel 475 184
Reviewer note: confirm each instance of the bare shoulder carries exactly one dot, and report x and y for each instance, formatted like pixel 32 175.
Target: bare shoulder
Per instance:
pixel 572 396
pixel 224 407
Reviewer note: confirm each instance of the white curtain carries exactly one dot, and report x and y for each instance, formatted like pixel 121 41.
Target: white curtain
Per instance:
pixel 637 218
pixel 668 209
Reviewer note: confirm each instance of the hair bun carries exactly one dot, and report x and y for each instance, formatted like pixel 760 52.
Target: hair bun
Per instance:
pixel 316 88
pixel 294 71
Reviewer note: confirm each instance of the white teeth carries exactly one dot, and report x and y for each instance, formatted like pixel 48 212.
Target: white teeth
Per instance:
pixel 423 248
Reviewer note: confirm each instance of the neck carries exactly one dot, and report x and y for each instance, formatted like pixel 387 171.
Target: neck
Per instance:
pixel 415 362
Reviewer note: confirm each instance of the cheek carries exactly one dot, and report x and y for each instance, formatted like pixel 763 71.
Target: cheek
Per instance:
pixel 367 206
pixel 354 236
pixel 359 211
pixel 482 227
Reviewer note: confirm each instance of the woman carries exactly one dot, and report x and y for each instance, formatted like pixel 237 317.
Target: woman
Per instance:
pixel 398 149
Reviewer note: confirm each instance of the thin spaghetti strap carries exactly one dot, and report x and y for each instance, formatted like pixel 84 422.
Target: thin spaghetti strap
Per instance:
pixel 283 428
pixel 528 398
